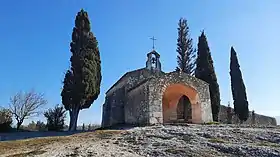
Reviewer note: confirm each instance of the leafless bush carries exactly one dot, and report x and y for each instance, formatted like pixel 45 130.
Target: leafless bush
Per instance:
pixel 24 105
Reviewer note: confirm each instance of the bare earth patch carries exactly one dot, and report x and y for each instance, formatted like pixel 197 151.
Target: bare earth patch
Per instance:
pixel 176 141
pixel 29 145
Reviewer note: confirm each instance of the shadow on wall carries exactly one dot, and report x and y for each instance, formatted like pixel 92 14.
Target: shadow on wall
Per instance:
pixel 259 119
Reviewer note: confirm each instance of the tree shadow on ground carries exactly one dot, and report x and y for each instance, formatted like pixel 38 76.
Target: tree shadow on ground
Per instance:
pixel 34 134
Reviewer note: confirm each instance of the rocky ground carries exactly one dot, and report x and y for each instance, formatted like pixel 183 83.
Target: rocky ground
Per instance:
pixel 175 141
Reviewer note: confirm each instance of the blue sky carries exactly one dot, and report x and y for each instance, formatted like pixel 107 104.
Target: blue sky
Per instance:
pixel 35 37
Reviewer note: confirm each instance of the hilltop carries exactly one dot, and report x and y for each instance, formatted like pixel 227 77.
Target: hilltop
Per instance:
pixel 178 141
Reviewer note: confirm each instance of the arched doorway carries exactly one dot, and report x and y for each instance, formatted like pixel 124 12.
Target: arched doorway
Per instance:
pixel 184 110
pixel 180 104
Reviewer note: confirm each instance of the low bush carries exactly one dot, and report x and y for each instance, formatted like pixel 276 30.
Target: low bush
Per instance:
pixel 5 120
pixel 212 123
pixel 55 118
pixel 35 126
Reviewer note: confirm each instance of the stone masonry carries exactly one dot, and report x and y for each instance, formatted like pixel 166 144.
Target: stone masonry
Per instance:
pixel 149 96
pixel 259 119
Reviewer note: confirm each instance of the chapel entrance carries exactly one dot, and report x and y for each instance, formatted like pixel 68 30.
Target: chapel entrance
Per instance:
pixel 180 104
pixel 184 110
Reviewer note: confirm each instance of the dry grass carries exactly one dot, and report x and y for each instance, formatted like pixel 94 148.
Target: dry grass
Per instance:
pixel 106 134
pixel 32 153
pixel 29 144
pixel 269 144
pixel 8 147
pixel 216 140
pixel 97 135
pixel 175 150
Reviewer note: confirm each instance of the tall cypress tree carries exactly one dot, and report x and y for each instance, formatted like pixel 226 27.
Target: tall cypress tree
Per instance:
pixel 205 71
pixel 186 52
pixel 238 88
pixel 81 85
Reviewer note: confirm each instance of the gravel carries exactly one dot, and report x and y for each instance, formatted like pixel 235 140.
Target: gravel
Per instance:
pixel 175 141
pixel 199 140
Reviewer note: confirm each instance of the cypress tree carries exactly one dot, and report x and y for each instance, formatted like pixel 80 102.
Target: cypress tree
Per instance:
pixel 83 128
pixel 253 117
pixel 185 50
pixel 238 88
pixel 229 114
pixel 81 85
pixel 205 71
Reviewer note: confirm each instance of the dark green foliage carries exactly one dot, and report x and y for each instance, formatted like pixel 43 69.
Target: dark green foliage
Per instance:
pixel 253 117
pixel 238 88
pixel 31 126
pixel 65 127
pixel 186 53
pixel 55 118
pixel 229 114
pixel 205 71
pixel 83 128
pixel 81 85
pixel 5 120
pixel 40 126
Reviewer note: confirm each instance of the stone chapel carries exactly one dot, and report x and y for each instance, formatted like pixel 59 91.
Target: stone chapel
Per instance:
pixel 150 96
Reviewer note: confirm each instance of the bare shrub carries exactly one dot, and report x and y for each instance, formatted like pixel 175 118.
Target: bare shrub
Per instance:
pixel 24 105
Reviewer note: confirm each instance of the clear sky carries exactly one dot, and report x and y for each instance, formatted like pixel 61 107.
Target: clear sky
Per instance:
pixel 35 37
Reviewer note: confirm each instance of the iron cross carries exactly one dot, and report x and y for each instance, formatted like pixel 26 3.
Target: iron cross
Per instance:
pixel 153 38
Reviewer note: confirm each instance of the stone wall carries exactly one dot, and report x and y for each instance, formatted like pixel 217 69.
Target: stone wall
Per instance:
pixel 259 120
pixel 129 86
pixel 155 108
pixel 113 108
pixel 136 108
pixel 130 80
pixel 136 98
pixel 159 84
